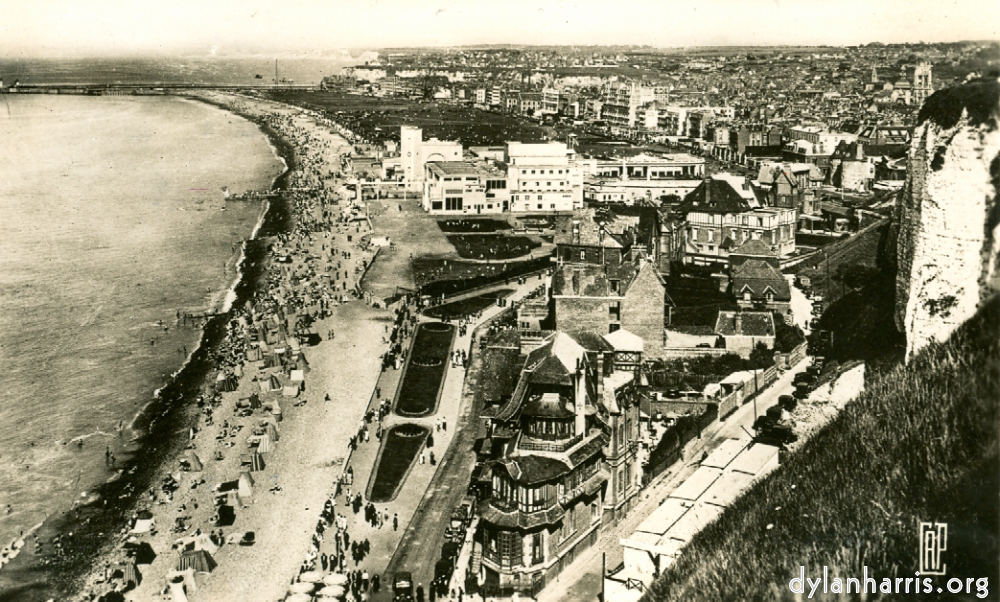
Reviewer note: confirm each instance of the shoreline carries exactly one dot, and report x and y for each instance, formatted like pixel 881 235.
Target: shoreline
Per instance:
pixel 160 422
pixel 304 221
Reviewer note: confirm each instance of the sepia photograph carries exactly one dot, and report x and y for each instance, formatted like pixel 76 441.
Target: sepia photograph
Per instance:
pixel 521 301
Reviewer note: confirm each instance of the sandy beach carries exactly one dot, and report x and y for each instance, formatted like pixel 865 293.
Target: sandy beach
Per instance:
pixel 312 288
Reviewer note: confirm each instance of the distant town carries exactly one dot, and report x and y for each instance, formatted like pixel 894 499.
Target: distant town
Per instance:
pixel 619 291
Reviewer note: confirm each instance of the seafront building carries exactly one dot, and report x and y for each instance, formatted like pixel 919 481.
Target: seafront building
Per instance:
pixel 464 187
pixel 563 459
pixel 415 152
pixel 543 177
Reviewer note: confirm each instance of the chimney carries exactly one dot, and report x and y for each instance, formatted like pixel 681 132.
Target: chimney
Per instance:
pixel 738 323
pixel 861 152
pixel 746 182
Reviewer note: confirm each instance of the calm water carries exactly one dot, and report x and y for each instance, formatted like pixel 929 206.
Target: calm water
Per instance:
pixel 198 70
pixel 112 220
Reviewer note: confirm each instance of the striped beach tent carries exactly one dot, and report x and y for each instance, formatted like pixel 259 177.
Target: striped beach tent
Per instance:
pixel 256 462
pixel 130 574
pixel 199 560
pixel 264 444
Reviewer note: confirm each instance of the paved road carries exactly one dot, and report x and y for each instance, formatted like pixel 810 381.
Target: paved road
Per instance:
pixel 581 580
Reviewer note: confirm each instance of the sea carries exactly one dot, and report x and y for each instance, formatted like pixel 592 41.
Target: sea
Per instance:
pixel 114 223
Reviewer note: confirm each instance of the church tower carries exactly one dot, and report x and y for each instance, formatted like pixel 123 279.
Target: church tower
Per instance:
pixel 923 85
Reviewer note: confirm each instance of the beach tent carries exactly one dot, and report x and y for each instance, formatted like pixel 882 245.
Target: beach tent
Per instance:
pixel 192 462
pixel 199 560
pixel 276 410
pixel 301 363
pixel 254 354
pixel 130 573
pixel 271 430
pixel 299 598
pixel 245 487
pixel 256 462
pixel 297 376
pixel 226 381
pixel 177 592
pixel 264 444
pixel 272 360
pixel 144 525
pixel 255 402
pixel 204 542
pixel 291 390
pixel 140 551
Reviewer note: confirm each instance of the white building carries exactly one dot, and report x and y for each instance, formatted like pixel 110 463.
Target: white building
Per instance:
pixel 414 152
pixel 463 187
pixel 543 177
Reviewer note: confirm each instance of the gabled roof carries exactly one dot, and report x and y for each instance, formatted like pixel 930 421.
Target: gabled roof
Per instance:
pixel 555 361
pixel 754 246
pixel 588 280
pixel 714 196
pixel 623 340
pixel 760 276
pixel 752 324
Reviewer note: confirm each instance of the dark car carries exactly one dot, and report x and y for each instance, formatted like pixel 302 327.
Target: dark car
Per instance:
pixel 787 402
pixel 804 378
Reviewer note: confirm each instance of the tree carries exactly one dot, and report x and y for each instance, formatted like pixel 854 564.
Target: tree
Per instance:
pixel 761 357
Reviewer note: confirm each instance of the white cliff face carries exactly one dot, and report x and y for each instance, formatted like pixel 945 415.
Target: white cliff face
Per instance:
pixel 948 239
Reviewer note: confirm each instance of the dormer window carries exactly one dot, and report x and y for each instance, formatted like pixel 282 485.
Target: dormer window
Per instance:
pixel 614 286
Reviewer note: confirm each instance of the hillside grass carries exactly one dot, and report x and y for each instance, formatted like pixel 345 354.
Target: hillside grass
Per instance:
pixel 920 444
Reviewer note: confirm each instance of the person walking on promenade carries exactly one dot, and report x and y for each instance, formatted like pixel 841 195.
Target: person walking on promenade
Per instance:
pixel 395 522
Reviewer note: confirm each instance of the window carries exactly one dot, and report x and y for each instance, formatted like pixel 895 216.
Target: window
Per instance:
pixel 614 327
pixel 615 310
pixel 548 183
pixel 583 255
pixel 539 198
pixel 436 205
pixel 537 551
pixel 694 234
pixel 746 295
pixel 539 205
pixel 552 206
pixel 453 203
pixel 711 236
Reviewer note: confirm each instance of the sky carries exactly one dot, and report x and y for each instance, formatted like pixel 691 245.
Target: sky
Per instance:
pixel 232 27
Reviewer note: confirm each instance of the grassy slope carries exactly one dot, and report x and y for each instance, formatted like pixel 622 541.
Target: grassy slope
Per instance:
pixel 921 443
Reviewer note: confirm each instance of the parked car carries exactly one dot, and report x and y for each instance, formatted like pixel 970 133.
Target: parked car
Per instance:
pixel 788 402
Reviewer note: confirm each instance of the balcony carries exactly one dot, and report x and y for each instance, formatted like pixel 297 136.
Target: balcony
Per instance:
pixel 530 444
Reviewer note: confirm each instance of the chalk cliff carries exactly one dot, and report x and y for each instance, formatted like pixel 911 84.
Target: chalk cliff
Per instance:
pixel 947 215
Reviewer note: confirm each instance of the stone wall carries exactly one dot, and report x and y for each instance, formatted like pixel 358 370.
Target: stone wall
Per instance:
pixel 946 216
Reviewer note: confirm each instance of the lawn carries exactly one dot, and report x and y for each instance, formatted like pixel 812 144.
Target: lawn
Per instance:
pixel 466 307
pixel 379 119
pixel 400 449
pixel 484 225
pixel 492 246
pixel 425 369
